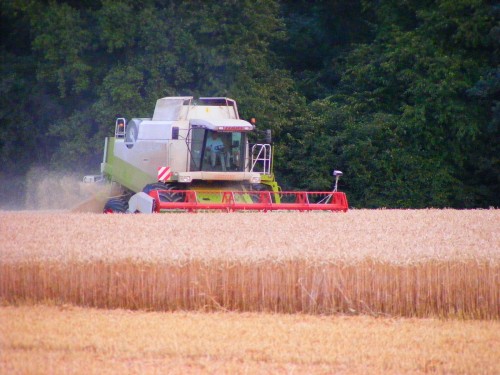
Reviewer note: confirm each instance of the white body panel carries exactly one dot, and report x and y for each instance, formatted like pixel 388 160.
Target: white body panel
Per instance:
pixel 141 202
pixel 155 130
pixel 145 155
pixel 212 112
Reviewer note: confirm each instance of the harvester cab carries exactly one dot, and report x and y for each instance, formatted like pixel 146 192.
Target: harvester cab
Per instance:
pixel 195 155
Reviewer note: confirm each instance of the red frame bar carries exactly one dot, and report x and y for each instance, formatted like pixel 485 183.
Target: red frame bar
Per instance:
pixel 262 201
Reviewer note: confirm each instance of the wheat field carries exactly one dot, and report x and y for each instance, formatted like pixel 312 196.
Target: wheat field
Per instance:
pixel 408 263
pixel 66 339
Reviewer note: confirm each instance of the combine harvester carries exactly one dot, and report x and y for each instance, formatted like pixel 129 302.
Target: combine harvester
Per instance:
pixel 195 155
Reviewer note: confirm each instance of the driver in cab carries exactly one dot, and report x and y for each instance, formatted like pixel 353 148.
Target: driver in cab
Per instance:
pixel 215 148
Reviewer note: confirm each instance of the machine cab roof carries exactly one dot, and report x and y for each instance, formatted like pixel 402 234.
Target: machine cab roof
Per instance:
pixel 186 108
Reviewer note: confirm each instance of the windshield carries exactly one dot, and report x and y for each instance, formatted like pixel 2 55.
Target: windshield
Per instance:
pixel 217 151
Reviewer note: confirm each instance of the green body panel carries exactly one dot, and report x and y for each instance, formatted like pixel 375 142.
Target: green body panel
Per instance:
pixel 206 196
pixel 271 182
pixel 123 173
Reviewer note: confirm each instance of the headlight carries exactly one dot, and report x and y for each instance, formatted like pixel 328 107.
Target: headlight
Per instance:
pixel 255 180
pixel 185 179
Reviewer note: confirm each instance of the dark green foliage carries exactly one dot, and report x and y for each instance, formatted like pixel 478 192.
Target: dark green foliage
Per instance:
pixel 413 120
pixel 403 96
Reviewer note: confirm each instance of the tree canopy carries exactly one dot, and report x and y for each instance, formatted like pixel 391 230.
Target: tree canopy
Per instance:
pixel 403 96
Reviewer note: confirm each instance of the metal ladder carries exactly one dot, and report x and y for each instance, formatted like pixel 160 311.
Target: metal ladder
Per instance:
pixel 261 158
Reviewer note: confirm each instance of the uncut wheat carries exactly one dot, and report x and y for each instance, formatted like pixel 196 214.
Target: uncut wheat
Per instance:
pixel 395 262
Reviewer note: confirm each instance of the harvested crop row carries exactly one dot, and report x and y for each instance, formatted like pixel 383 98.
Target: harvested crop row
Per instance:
pixel 71 340
pixel 403 263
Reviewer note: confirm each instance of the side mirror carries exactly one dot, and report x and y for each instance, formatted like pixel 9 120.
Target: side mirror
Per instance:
pixel 337 174
pixel 269 137
pixel 175 132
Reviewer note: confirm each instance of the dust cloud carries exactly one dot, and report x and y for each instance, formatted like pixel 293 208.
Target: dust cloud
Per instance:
pixel 42 189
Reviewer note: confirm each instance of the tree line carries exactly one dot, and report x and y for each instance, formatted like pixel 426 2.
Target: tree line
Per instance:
pixel 404 97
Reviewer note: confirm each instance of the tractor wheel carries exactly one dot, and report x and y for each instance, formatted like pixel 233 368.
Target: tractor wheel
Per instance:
pixel 165 197
pixel 115 206
pixel 260 187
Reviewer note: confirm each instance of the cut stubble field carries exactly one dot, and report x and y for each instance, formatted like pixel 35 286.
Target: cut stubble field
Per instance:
pixel 66 339
pixel 370 291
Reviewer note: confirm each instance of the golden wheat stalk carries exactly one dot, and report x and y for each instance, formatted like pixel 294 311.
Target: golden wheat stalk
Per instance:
pixel 443 289
pixel 395 262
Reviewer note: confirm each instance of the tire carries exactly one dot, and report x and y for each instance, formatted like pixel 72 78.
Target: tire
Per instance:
pixel 260 187
pixel 115 206
pixel 165 197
